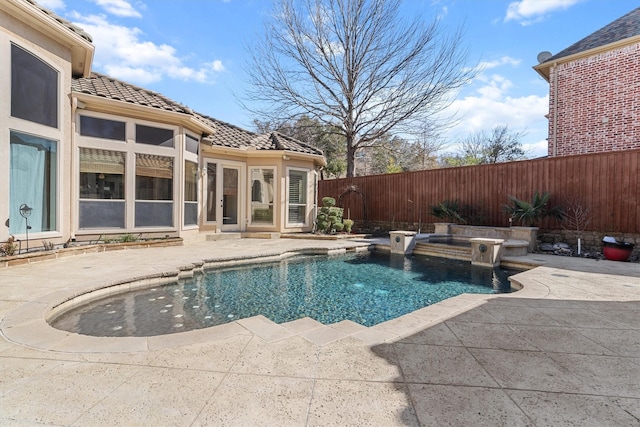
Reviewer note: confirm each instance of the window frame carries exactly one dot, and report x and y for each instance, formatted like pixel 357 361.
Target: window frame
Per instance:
pixel 190 203
pixel 271 204
pixel 131 149
pixel 55 92
pixel 137 126
pixel 90 117
pixel 304 204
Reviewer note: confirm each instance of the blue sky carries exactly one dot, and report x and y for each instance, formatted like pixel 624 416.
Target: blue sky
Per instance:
pixel 194 51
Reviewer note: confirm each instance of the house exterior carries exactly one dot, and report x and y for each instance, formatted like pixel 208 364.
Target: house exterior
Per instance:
pixel 594 91
pixel 93 156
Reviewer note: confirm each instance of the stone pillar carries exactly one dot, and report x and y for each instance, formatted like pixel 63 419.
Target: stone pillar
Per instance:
pixel 402 242
pixel 486 252
pixel 442 228
pixel 530 234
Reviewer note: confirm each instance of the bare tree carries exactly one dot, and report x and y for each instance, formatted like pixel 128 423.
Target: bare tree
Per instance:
pixel 430 142
pixel 576 216
pixel 501 145
pixel 356 64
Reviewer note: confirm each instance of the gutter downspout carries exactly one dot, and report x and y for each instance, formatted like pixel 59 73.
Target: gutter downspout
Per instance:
pixel 555 109
pixel 315 201
pixel 74 214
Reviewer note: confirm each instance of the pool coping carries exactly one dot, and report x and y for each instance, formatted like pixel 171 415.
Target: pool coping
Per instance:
pixel 28 325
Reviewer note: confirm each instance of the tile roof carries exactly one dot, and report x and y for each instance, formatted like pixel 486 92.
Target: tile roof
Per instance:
pixel 110 88
pixel 226 135
pixel 620 29
pixel 72 27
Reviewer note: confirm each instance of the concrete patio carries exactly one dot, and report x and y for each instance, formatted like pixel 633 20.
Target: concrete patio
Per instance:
pixel 564 350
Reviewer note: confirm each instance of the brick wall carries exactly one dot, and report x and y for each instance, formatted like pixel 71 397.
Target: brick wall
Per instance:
pixel 598 103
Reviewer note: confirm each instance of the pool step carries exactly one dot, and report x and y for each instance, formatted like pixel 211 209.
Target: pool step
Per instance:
pixel 442 250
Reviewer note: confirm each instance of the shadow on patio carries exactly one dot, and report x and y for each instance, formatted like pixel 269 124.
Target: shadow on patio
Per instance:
pixel 515 361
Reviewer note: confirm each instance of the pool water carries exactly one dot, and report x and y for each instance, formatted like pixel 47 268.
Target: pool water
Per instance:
pixel 365 288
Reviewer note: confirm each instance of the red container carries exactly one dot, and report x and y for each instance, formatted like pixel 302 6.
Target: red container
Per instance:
pixel 617 251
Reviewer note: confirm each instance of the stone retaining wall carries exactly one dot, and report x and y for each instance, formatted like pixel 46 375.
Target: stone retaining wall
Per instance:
pixel 591 241
pixel 41 255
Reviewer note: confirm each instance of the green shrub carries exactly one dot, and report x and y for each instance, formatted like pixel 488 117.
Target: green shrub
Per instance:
pixel 126 238
pixel 328 202
pixel 529 213
pixel 8 248
pixel 449 211
pixel 329 216
pixel 348 223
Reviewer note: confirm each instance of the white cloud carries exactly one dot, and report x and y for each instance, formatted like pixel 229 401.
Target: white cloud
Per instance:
pixel 119 8
pixel 528 12
pixel 217 65
pixel 491 105
pixel 131 74
pixel 505 60
pixel 123 53
pixel 52 4
pixel 536 149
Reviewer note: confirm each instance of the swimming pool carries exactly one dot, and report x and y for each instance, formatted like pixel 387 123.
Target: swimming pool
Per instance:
pixel 364 288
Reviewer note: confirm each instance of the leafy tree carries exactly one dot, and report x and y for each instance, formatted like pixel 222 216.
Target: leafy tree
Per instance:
pixel 354 64
pixel 313 132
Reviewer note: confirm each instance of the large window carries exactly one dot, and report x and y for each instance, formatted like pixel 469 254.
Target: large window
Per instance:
pixel 154 136
pixel 101 174
pixel 154 191
pixel 102 177
pixel 190 193
pixel 297 201
pixel 102 128
pixel 33 175
pixel 262 189
pixel 34 89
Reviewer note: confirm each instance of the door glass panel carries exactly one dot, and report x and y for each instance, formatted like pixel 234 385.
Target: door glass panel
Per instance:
pixel 33 172
pixel 211 192
pixel 230 196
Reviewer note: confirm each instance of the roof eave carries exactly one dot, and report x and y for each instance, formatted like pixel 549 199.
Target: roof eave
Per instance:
pixel 544 68
pixel 251 152
pixel 114 106
pixel 81 49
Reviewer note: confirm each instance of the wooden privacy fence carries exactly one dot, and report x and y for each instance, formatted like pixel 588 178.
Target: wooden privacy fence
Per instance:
pixel 605 183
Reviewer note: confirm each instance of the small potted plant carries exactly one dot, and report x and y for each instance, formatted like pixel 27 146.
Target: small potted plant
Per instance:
pixel 614 250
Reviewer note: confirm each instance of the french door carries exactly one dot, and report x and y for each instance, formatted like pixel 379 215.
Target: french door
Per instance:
pixel 224 195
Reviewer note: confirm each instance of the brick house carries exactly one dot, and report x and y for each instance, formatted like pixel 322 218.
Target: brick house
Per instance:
pixel 594 91
pixel 94 156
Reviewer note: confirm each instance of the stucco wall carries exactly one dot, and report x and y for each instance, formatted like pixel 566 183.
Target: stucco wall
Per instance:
pixel 598 103
pixel 58 57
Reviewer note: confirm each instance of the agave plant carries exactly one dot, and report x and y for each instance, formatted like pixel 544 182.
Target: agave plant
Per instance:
pixel 529 213
pixel 448 210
